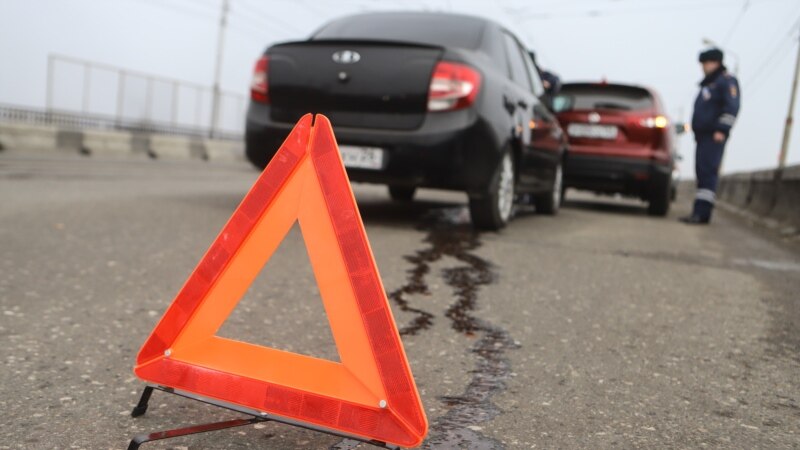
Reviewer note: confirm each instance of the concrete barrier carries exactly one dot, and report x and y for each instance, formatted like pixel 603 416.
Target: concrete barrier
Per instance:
pixel 218 150
pixel 108 143
pixel 170 147
pixel 32 137
pixel 767 194
pixel 24 137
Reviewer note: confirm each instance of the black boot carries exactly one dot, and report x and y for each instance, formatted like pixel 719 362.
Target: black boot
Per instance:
pixel 694 220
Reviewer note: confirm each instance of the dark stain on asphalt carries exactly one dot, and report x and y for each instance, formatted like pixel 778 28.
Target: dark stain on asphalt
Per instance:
pixel 415 285
pixel 449 233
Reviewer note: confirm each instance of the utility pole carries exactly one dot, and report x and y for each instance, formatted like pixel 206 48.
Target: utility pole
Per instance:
pixel 51 69
pixel 215 99
pixel 787 128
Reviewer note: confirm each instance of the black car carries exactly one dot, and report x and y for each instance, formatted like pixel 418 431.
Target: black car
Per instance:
pixel 418 100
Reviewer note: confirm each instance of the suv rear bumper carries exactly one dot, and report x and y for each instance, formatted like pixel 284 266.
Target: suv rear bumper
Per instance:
pixel 627 176
pixel 454 150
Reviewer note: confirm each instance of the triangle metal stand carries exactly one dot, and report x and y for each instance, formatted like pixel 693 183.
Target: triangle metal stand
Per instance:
pixel 255 417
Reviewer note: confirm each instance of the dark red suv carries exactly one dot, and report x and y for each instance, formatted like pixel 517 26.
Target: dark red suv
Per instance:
pixel 620 141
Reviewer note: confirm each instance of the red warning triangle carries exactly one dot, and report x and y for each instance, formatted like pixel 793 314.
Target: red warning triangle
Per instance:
pixel 371 392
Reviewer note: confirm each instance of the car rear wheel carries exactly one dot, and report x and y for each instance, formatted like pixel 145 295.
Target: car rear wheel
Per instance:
pixel 259 159
pixel 550 201
pixel 660 197
pixel 492 210
pixel 402 193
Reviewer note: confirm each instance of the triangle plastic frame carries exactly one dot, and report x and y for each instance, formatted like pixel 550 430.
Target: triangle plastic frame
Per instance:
pixel 371 393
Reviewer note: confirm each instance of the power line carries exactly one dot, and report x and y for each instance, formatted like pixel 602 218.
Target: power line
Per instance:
pixel 602 12
pixel 310 6
pixel 259 14
pixel 736 22
pixel 261 28
pixel 766 63
pixel 243 24
pixel 258 30
pixel 177 9
pixel 778 33
pixel 766 74
pixel 209 8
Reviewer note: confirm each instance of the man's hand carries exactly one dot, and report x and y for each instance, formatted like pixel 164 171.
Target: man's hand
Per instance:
pixel 719 136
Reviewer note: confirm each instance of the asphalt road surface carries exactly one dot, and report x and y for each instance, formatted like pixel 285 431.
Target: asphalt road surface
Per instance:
pixel 598 328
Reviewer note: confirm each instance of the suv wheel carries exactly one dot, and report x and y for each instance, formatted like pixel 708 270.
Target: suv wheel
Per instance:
pixel 550 201
pixel 660 196
pixel 402 193
pixel 492 210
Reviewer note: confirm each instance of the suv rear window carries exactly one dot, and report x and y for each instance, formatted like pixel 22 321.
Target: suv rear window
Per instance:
pixel 592 97
pixel 445 30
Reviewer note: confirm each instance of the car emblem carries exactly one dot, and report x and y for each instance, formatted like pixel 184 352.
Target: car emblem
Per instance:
pixel 594 117
pixel 346 57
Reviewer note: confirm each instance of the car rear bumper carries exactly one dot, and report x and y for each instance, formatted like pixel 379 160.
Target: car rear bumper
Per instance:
pixel 455 150
pixel 628 176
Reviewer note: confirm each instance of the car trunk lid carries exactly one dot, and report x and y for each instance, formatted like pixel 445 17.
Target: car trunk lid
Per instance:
pixel 610 116
pixel 364 84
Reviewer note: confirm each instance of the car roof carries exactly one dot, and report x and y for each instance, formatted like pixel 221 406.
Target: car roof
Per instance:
pixel 600 84
pixel 393 15
pixel 439 28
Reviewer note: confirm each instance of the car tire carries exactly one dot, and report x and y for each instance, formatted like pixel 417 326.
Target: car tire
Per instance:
pixel 402 193
pixel 492 210
pixel 550 201
pixel 660 197
pixel 259 159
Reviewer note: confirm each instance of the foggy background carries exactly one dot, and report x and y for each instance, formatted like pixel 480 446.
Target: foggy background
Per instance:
pixel 649 42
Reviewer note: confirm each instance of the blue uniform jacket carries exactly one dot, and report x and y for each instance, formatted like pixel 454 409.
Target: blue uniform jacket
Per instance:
pixel 717 104
pixel 553 80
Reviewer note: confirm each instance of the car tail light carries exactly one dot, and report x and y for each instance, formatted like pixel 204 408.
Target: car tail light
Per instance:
pixel 654 122
pixel 258 87
pixel 453 86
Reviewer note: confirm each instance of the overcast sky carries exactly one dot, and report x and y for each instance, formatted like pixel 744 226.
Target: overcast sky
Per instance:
pixel 651 42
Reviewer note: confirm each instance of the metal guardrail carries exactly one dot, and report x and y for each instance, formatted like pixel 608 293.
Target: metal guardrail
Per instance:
pixel 80 121
pixel 91 89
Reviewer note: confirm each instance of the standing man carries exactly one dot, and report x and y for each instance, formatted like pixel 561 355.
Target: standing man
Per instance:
pixel 715 111
pixel 551 82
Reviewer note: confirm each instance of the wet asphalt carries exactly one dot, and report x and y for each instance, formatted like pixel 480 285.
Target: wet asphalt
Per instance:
pixel 599 328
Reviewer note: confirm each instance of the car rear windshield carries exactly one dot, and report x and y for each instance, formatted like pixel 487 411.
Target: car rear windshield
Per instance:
pixel 603 97
pixel 443 30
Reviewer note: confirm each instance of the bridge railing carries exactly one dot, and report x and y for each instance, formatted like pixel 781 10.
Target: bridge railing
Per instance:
pixel 80 121
pixel 88 93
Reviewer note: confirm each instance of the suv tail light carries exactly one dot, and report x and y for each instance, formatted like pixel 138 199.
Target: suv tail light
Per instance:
pixel 654 122
pixel 258 87
pixel 453 86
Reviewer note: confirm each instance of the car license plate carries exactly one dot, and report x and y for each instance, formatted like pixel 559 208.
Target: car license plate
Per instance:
pixel 585 130
pixel 358 157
